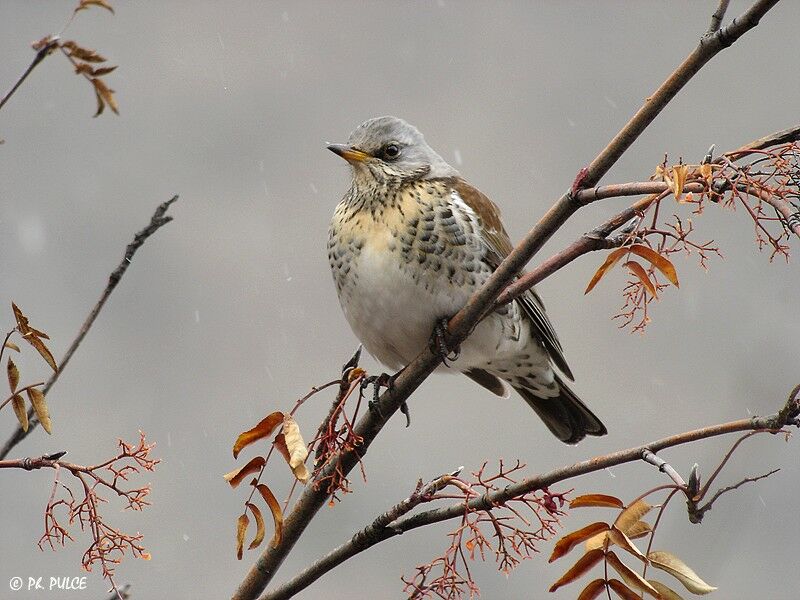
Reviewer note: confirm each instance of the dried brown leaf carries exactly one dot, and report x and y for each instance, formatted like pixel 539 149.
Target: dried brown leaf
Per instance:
pixel 599 500
pixel 18 404
pixel 260 529
pixel 596 541
pixel 99 72
pixel 264 428
pixel 298 451
pixel 623 591
pixel 631 515
pixel 568 542
pixel 103 91
pixel 666 592
pixel 629 576
pixel 241 530
pixel 39 404
pixel 593 590
pixel 33 336
pixel 585 562
pixel 275 509
pixel 84 69
pixel 610 261
pixel 658 261
pixel 705 172
pixel 280 444
pixel 679 173
pixel 355 373
pixel 236 476
pixel 12 346
pixel 43 350
pixel 673 565
pixel 13 375
pixel 83 53
pixel 638 529
pixel 84 4
pixel 623 541
pixel 101 104
pixel 642 276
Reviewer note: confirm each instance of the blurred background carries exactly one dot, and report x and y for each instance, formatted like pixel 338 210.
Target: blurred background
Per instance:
pixel 229 312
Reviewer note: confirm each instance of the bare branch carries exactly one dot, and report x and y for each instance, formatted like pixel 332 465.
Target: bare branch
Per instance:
pixel 663 466
pixel 109 545
pixel 696 514
pixel 465 320
pixel 50 44
pixel 362 539
pixel 158 219
pixel 716 18
pixel 360 542
pixel 779 137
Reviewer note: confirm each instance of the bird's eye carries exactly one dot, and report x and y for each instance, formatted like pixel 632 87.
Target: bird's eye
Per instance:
pixel 391 151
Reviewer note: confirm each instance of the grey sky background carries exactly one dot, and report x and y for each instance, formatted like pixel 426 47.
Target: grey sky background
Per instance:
pixel 229 312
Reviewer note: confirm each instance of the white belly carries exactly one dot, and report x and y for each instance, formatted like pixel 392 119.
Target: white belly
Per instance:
pixel 391 313
pixel 394 314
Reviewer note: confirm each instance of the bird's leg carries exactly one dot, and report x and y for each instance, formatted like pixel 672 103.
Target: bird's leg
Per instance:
pixel 439 345
pixel 387 381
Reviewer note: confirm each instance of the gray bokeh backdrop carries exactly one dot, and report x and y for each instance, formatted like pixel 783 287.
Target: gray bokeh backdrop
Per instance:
pixel 229 311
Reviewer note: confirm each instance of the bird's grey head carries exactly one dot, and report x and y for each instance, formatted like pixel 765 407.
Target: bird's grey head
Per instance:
pixel 389 148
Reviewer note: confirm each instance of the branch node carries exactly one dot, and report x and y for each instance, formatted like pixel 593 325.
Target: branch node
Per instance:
pixel 663 466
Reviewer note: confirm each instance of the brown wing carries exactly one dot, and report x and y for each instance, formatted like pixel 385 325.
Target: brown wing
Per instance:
pixel 498 246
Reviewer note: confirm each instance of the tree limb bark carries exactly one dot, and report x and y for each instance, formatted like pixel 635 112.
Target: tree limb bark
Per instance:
pixel 465 320
pixel 372 535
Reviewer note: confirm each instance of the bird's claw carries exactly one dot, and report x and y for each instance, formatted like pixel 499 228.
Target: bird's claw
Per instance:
pixel 377 382
pixel 439 343
pixel 387 381
pixel 407 412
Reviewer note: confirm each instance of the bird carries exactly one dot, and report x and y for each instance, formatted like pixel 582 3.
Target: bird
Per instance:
pixel 409 243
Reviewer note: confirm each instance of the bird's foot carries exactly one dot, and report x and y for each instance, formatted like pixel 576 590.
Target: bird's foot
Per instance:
pixel 439 345
pixel 386 381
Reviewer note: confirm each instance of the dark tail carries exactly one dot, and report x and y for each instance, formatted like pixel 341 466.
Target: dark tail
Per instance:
pixel 565 415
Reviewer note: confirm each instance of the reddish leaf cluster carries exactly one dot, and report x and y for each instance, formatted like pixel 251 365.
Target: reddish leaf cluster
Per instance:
pixel 770 178
pixel 506 530
pixel 336 436
pixel 109 545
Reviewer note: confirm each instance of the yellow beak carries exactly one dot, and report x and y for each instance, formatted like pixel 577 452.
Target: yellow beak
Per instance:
pixel 349 153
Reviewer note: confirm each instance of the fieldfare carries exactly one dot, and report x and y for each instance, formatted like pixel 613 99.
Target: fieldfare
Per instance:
pixel 409 243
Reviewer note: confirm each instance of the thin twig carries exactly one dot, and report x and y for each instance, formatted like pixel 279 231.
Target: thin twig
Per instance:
pixel 696 516
pixel 158 219
pixel 461 325
pixel 663 466
pixel 716 18
pixel 40 56
pixel 779 137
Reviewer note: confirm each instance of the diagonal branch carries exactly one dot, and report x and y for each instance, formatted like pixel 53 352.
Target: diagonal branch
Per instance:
pixel 716 18
pixel 158 219
pixel 465 320
pixel 486 502
pixel 43 52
